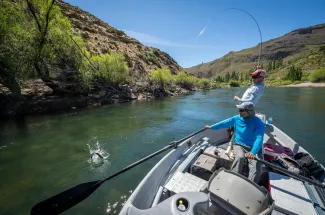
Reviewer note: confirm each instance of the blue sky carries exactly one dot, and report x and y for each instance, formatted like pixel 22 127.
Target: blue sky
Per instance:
pixel 173 26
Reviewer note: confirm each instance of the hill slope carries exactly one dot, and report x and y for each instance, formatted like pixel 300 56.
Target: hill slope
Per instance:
pixel 293 47
pixel 102 38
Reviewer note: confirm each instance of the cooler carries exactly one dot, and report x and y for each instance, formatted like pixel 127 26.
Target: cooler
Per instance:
pixel 204 166
pixel 272 150
pixel 220 154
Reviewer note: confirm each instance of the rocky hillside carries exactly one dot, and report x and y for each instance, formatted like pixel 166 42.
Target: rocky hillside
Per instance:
pixel 59 88
pixel 292 47
pixel 102 38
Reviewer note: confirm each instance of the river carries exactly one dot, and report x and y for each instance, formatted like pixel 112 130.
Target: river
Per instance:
pixel 44 155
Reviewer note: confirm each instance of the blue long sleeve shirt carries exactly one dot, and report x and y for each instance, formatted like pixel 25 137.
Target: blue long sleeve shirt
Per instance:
pixel 248 132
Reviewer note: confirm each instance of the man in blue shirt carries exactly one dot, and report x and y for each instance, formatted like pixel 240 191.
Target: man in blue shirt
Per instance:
pixel 248 141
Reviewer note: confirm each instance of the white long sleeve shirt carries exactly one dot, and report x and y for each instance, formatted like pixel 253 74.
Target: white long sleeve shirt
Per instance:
pixel 253 93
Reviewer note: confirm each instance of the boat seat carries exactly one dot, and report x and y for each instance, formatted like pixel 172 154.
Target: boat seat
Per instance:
pixel 229 190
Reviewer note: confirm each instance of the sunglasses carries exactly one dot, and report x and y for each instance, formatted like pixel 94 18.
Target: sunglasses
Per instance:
pixel 241 110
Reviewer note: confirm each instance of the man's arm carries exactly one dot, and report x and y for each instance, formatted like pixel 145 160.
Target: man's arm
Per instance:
pixel 224 124
pixel 259 138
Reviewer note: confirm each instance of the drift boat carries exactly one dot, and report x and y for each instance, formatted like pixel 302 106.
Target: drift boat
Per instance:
pixel 195 178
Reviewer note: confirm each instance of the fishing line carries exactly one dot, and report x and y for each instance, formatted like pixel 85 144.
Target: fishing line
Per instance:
pixel 259 29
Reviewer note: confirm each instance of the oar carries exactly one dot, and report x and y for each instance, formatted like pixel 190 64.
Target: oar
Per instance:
pixel 292 174
pixel 67 199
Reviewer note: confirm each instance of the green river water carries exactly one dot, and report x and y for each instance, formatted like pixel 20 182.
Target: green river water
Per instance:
pixel 44 155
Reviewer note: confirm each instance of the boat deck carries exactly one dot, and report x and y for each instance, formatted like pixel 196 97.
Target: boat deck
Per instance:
pixel 193 164
pixel 291 196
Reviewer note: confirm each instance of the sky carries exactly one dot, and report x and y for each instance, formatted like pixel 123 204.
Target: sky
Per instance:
pixel 196 31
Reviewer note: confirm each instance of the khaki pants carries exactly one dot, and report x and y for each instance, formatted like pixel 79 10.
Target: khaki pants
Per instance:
pixel 246 167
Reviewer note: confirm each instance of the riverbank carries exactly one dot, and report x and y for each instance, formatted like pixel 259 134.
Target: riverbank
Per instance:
pixel 39 99
pixel 308 84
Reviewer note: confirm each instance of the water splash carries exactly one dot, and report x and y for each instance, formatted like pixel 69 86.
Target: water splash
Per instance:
pixel 97 149
pixel 98 156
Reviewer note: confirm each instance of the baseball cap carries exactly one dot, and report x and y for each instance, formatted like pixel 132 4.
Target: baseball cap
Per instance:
pixel 246 105
pixel 259 72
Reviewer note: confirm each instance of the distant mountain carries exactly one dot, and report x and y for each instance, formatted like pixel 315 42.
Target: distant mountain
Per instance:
pixel 299 48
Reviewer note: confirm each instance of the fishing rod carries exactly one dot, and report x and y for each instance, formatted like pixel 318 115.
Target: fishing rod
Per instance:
pixel 260 33
pixel 259 29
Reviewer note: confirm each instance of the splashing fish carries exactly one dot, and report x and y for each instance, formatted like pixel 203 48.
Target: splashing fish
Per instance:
pixel 97 155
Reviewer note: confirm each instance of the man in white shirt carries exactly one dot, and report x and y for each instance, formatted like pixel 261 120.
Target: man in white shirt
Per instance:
pixel 254 92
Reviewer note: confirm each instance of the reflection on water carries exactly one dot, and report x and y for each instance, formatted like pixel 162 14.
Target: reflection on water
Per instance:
pixel 44 155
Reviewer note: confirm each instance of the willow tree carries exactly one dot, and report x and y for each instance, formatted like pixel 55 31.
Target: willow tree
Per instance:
pixel 35 37
pixel 16 46
pixel 53 37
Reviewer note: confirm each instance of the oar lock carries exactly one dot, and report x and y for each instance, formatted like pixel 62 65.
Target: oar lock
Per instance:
pixel 174 143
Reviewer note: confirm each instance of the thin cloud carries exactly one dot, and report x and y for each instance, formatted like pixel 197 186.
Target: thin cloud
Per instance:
pixel 149 39
pixel 146 38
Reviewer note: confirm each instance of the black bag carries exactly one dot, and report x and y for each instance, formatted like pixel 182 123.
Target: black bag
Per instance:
pixel 301 163
pixel 307 161
pixel 292 165
pixel 304 159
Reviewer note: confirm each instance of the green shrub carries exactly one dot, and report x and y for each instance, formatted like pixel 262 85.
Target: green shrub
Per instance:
pixel 161 77
pixel 204 83
pixel 294 74
pixel 185 81
pixel 219 79
pixel 112 67
pixel 317 76
pixel 234 83
pixel 305 77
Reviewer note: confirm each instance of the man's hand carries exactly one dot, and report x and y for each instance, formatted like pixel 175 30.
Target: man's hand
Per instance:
pixel 236 98
pixel 249 155
pixel 207 127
